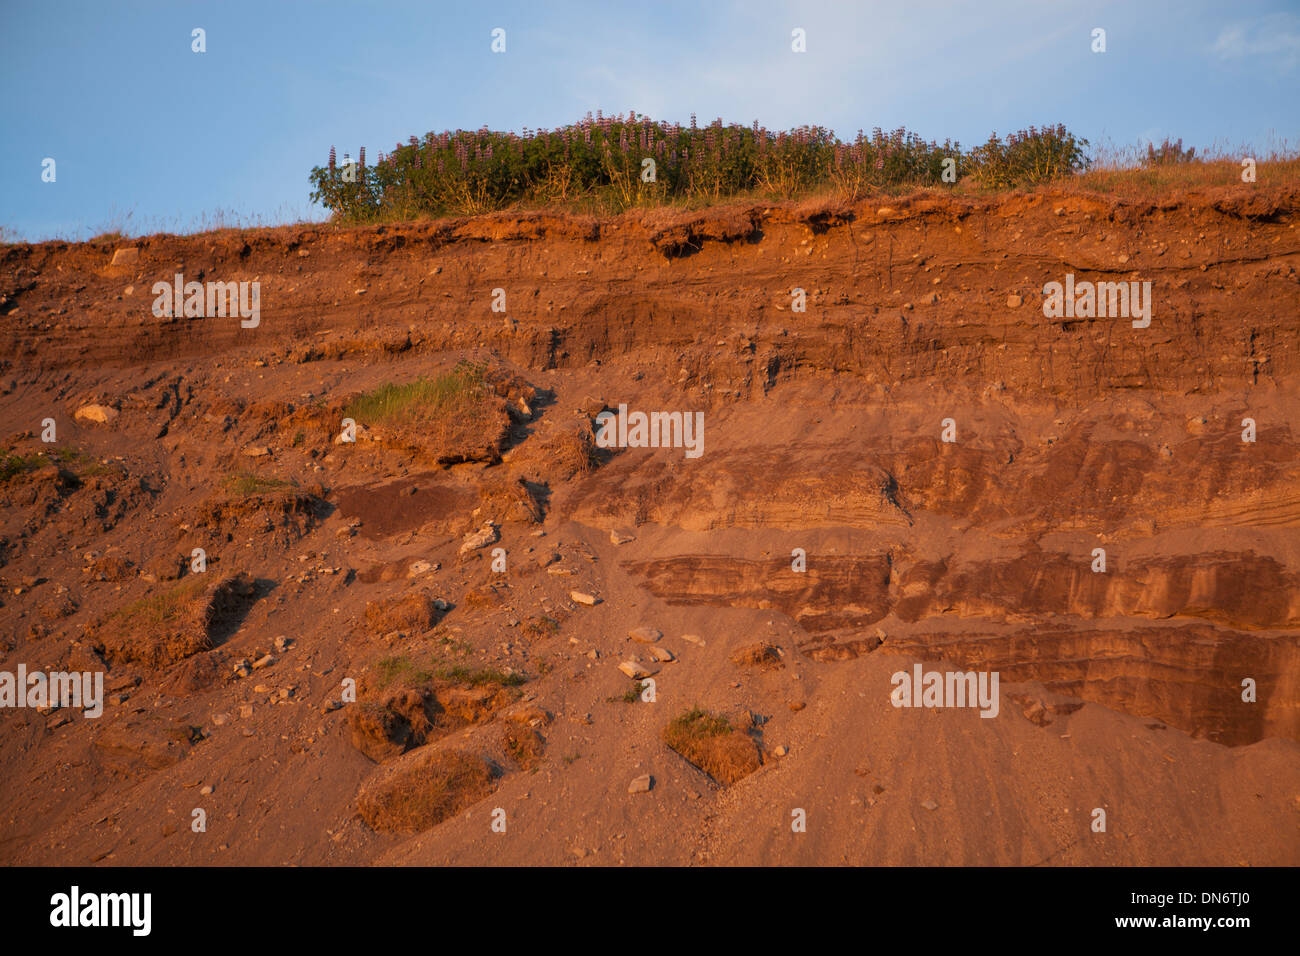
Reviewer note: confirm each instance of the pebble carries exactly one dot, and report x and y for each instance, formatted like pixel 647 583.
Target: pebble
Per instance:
pixel 641 784
pixel 581 597
pixel 479 539
pixel 636 671
pixel 645 635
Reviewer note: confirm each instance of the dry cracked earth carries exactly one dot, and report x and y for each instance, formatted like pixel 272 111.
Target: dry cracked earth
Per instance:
pixel 431 645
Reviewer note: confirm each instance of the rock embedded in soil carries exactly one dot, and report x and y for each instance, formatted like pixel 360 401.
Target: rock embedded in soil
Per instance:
pixel 99 414
pixel 636 671
pixel 480 539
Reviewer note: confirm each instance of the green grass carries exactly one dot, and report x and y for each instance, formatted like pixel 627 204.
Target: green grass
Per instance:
pixel 13 465
pixel 479 677
pixel 696 724
pixel 80 463
pixel 422 399
pixel 159 610
pixel 402 670
pixel 77 462
pixel 246 483
pixel 630 696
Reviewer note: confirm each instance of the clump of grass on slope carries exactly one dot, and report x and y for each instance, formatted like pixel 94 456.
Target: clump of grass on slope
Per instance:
pixel 11 466
pixel 409 403
pixel 453 417
pixel 710 742
pixel 401 670
pixel 245 483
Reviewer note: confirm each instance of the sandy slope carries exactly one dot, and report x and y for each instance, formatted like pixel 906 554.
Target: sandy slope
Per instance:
pixel 1119 690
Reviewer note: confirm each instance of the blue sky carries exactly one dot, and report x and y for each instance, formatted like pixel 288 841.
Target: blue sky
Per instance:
pixel 150 136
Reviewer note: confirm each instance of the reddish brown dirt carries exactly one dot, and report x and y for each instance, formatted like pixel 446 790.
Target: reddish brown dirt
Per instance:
pixel 1121 690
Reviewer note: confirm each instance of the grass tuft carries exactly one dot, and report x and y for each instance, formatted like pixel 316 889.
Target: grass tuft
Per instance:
pixel 246 483
pixel 410 403
pixel 709 742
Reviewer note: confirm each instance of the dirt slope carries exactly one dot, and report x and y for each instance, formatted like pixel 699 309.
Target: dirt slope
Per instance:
pixel 823 431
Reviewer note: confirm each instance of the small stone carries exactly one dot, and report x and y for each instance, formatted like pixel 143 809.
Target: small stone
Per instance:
pixel 282 643
pixel 641 784
pixel 330 706
pixel 99 414
pixel 621 537
pixel 780 751
pixel 420 567
pixel 245 710
pixel 126 256
pixel 1014 302
pixel 645 635
pixel 481 538
pixel 929 805
pixel 580 597
pixel 206 790
pixel 256 451
pixel 261 689
pixel 261 662
pixel 636 671
pixel 662 654
pixel 694 639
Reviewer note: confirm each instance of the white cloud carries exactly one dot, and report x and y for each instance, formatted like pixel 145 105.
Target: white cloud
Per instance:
pixel 1274 39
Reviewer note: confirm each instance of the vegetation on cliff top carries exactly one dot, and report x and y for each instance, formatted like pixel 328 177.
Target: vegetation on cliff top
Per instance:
pixel 609 164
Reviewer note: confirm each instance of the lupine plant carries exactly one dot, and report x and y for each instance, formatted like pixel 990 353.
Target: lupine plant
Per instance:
pixel 600 163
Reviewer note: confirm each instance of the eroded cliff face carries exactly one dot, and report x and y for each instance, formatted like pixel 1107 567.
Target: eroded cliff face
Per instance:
pixel 917 465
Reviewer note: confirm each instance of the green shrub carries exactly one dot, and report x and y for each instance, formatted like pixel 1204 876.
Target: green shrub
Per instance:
pixel 599 162
pixel 1028 158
